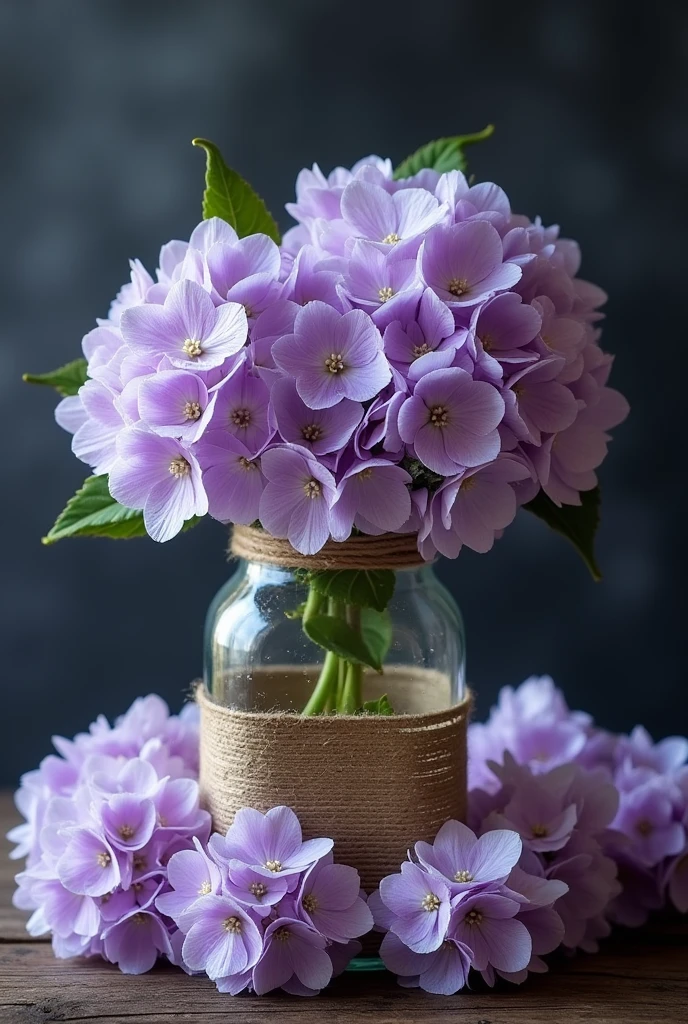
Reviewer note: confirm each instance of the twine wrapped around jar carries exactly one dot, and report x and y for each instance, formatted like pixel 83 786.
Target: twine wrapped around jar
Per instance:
pixel 374 783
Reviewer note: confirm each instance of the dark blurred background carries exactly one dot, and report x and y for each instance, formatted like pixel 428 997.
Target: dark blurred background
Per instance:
pixel 100 104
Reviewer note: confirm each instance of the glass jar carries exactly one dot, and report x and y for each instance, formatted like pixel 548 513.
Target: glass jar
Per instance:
pixel 259 655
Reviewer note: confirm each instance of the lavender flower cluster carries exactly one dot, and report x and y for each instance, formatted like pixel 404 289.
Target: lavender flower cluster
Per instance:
pixel 467 903
pixel 612 809
pixel 262 910
pixel 103 820
pixel 414 358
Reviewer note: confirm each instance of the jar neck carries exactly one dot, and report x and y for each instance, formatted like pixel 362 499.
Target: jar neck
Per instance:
pixel 262 573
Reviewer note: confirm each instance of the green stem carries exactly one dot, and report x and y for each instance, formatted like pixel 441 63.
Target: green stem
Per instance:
pixel 352 696
pixel 324 695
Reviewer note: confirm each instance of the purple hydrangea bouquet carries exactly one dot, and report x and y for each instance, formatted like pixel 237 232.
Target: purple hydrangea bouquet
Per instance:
pixel 413 358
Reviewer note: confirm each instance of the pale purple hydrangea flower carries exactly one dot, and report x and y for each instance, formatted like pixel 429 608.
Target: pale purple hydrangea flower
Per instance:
pixel 94 839
pixel 382 285
pixel 267 910
pixel 625 852
pixel 373 496
pixel 187 328
pixel 297 498
pixel 333 356
pixel 466 904
pixel 232 477
pixel 162 477
pixel 451 421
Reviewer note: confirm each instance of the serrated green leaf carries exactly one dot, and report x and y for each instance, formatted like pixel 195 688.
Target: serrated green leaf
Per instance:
pixel 376 630
pixel 93 512
pixel 442 155
pixel 381 706
pixel 578 523
pixel 65 379
pixel 228 196
pixel 364 588
pixel 336 635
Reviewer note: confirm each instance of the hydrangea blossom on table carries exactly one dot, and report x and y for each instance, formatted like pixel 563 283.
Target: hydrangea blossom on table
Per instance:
pixel 615 807
pixel 262 909
pixel 410 323
pixel 103 818
pixel 466 903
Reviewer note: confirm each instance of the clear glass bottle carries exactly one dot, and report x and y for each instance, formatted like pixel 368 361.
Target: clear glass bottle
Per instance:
pixel 259 658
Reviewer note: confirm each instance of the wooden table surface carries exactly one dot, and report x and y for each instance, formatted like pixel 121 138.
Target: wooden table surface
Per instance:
pixel 640 977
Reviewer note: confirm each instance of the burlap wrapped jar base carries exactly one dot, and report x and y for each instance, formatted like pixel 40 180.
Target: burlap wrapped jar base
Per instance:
pixel 374 783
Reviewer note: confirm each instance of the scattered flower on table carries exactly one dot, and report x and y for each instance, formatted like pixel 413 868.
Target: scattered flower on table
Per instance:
pixel 571 830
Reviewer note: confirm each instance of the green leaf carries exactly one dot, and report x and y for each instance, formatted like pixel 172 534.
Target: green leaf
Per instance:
pixel 376 630
pixel 578 523
pixel 65 379
pixel 365 588
pixel 336 635
pixel 441 155
pixel 93 512
pixel 381 706
pixel 228 196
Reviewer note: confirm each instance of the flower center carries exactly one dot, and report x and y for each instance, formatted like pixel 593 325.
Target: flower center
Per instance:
pixel 246 463
pixel 439 416
pixel 276 865
pixel 430 902
pixel 232 925
pixel 473 917
pixel 468 483
pixel 191 410
pixel 179 467
pixel 365 474
pixel 206 889
pixel 486 341
pixel 192 348
pixel 392 238
pixel 139 919
pixel 126 831
pixel 282 934
pixel 311 489
pixel 258 889
pixel 103 860
pixel 334 363
pixel 310 903
pixel 241 417
pixel 644 827
pixel 140 862
pixel 137 886
pixel 385 293
pixel 311 432
pixel 463 876
pixel 248 311
pixel 458 286
pixel 539 831
pixel 420 350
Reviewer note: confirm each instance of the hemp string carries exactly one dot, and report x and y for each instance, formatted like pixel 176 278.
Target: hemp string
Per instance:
pixel 388 551
pixel 375 784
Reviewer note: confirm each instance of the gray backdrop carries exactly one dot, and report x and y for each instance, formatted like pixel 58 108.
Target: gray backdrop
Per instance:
pixel 101 102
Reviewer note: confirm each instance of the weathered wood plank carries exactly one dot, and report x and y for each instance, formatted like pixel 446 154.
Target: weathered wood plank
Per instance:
pixel 645 984
pixel 640 977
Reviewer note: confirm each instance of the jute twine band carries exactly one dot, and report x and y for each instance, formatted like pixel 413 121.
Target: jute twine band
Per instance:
pixel 375 784
pixel 388 551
